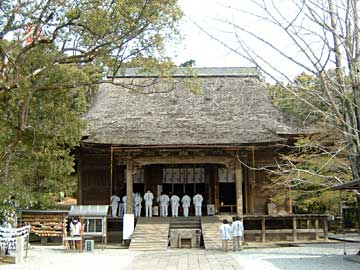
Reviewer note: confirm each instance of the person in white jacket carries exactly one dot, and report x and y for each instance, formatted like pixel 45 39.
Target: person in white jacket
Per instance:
pixel 225 234
pixel 115 199
pixel 175 205
pixel 148 197
pixel 124 199
pixel 164 204
pixel 237 228
pixel 186 200
pixel 138 201
pixel 197 201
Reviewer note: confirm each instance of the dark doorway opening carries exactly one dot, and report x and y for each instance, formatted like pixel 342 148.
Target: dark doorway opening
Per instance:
pixel 227 197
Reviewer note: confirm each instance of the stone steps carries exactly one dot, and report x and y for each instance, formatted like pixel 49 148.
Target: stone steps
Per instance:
pixel 150 234
pixel 210 231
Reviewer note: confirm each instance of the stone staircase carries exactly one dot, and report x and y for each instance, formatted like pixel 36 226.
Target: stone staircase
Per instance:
pixel 151 234
pixel 210 231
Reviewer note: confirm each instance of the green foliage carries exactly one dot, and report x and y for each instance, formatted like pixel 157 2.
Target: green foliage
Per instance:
pixel 316 162
pixel 52 55
pixel 189 63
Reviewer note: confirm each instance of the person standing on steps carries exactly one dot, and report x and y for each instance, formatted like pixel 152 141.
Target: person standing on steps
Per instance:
pixel 237 228
pixel 225 234
pixel 175 205
pixel 164 204
pixel 186 200
pixel 124 199
pixel 138 201
pixel 115 199
pixel 197 201
pixel 148 197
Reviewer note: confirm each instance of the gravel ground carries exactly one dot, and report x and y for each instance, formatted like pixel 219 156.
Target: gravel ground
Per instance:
pixel 306 257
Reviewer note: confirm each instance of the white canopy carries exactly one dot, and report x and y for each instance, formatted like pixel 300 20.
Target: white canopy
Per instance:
pixel 89 210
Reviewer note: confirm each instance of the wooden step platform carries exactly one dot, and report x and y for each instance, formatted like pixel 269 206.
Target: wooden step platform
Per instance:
pixel 151 234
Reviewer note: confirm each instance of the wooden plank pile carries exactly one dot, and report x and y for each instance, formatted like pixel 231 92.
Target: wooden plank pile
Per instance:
pixel 45 224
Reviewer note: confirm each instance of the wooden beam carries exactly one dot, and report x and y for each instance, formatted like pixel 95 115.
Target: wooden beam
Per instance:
pixel 184 160
pixel 129 186
pixel 239 191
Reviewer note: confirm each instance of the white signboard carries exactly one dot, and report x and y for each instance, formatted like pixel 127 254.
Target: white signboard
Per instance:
pixel 128 226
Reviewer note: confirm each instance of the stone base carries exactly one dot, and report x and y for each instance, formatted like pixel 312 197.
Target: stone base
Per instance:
pixel 185 238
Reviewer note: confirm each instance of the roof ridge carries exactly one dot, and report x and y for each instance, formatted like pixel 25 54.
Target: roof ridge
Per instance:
pixel 132 72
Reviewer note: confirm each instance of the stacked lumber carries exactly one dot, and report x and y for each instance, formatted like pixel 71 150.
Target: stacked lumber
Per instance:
pixel 45 224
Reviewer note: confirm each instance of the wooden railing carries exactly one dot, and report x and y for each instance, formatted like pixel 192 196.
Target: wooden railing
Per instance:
pixel 227 208
pixel 294 225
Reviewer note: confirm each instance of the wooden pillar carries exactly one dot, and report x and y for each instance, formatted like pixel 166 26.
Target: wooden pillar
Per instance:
pixel 326 237
pixel 238 187
pixel 79 182
pixel 251 192
pixel 216 188
pixel 316 229
pixel 111 172
pixel 147 179
pixel 294 229
pixel 252 180
pixel 212 183
pixel 263 230
pixel 209 184
pixel 129 186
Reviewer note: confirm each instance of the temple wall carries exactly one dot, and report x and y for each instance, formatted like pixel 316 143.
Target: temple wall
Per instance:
pixel 95 180
pixel 96 185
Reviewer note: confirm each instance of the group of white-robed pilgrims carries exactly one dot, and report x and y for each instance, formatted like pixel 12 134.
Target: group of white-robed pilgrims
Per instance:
pixel 118 205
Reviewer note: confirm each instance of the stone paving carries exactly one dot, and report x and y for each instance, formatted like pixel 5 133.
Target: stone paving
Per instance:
pixel 186 259
pixel 307 257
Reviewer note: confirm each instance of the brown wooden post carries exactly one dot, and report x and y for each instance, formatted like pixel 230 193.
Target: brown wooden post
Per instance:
pixel 326 237
pixel 129 186
pixel 79 182
pixel 147 179
pixel 209 182
pixel 216 188
pixel 238 187
pixel 263 230
pixel 252 179
pixel 316 229
pixel 111 173
pixel 294 229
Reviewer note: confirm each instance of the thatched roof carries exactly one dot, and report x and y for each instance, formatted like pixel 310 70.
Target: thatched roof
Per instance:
pixel 232 108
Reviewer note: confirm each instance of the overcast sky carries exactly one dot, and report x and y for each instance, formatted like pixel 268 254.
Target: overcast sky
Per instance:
pixel 208 52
